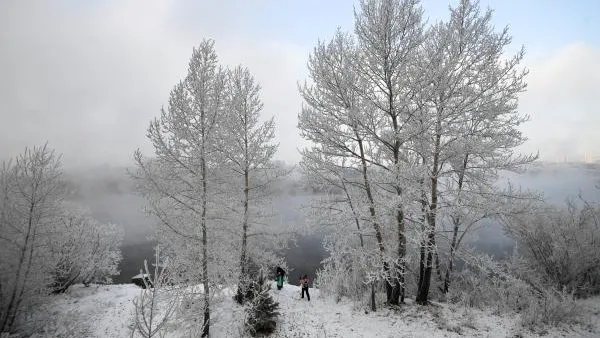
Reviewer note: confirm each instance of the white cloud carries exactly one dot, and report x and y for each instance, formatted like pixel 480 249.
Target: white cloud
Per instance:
pixel 561 99
pixel 89 80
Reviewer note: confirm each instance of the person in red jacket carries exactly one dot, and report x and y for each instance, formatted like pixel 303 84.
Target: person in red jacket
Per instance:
pixel 304 284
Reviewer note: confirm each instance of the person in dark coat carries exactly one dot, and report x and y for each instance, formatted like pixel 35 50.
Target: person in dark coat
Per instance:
pixel 279 277
pixel 304 284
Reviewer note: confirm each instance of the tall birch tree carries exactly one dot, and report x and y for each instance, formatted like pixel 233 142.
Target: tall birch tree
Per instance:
pixel 180 182
pixel 389 34
pixel 471 122
pixel 331 119
pixel 248 146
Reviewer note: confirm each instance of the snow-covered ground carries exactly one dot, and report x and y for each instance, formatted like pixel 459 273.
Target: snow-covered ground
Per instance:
pixel 106 311
pixel 94 311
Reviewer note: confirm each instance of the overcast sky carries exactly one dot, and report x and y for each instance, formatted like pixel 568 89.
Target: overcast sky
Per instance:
pixel 87 76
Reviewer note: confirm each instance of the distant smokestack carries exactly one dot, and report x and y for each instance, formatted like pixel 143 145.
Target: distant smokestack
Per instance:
pixel 588 158
pixel 563 159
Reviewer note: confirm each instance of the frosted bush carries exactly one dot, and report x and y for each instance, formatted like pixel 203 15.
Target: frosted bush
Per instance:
pixel 552 308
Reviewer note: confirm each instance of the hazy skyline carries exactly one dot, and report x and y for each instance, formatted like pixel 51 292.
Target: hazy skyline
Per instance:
pixel 88 76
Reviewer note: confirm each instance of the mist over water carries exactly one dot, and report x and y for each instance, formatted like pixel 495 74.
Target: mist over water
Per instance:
pixel 108 193
pixel 561 180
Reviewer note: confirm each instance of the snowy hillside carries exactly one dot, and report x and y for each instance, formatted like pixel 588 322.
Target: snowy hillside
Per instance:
pixel 106 311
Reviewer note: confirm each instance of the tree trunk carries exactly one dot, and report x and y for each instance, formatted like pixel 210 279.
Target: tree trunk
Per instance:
pixel 205 284
pixel 355 215
pixel 361 239
pixel 398 291
pixel 438 270
pixel 426 263
pixel 423 293
pixel 373 304
pixel 400 264
pixel 205 280
pixel 242 282
pixel 446 286
pixel 456 222
pixel 378 234
pixel 423 242
pixel 422 263
pixel 12 308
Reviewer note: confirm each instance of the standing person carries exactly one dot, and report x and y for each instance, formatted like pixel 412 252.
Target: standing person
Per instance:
pixel 304 284
pixel 279 277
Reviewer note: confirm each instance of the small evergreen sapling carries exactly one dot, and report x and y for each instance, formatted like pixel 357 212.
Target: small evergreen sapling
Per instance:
pixel 262 312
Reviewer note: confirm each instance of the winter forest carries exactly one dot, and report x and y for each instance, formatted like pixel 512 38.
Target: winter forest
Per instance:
pixel 412 133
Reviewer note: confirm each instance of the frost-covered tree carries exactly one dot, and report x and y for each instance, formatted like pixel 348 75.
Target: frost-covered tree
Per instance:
pixel 389 35
pixel 209 183
pixel 31 189
pixel 470 121
pixel 46 244
pixel 341 158
pixel 367 89
pixel 181 182
pixel 247 147
pixel 415 126
pixel 82 249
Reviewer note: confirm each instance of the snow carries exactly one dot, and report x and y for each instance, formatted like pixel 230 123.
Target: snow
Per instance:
pixel 322 317
pixel 95 311
pixel 106 311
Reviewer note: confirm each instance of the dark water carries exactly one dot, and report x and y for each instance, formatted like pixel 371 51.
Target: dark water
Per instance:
pixel 306 258
pixel 302 257
pixel 133 260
